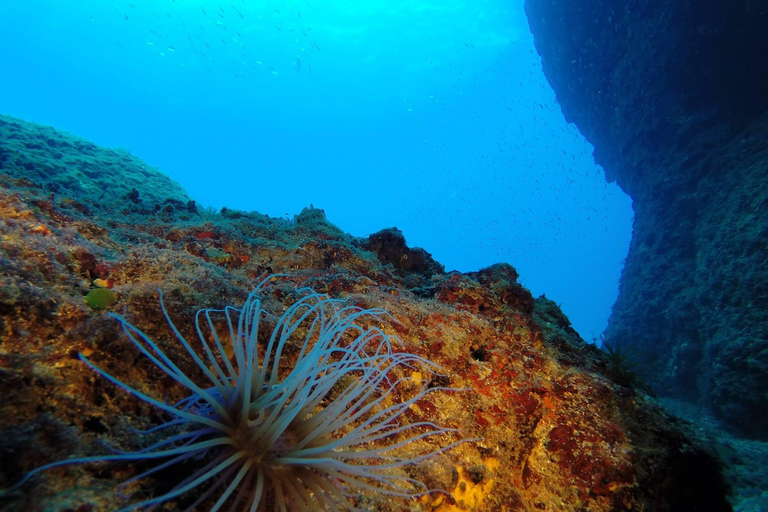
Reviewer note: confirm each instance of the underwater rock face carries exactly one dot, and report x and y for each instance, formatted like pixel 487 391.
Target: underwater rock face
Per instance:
pixel 547 428
pixel 103 180
pixel 674 97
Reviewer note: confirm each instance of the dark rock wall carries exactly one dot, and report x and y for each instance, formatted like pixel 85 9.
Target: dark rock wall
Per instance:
pixel 673 95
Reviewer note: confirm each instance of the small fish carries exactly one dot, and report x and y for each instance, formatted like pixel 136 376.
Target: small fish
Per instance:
pixel 204 13
pixel 158 35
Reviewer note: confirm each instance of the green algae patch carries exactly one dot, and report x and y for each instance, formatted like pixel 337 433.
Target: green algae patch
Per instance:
pixel 218 256
pixel 100 298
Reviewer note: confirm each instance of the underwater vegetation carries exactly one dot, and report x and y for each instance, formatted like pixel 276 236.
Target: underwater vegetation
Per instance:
pixel 100 298
pixel 306 416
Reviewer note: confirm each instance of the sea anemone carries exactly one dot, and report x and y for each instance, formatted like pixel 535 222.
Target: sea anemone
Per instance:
pixel 303 419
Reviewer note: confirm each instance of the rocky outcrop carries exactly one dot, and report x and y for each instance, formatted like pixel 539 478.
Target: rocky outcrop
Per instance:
pixel 546 426
pixel 673 95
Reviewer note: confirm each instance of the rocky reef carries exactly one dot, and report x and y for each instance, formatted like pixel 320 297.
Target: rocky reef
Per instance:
pixel 674 97
pixel 551 429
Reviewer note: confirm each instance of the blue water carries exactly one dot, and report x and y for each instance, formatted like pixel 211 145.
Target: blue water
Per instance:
pixel 434 117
